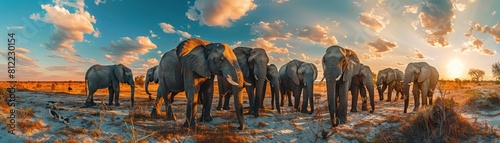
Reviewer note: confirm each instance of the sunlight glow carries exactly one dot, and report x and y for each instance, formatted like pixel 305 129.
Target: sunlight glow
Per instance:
pixel 455 68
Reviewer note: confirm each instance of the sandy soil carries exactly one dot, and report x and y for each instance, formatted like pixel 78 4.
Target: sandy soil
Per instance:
pixel 114 125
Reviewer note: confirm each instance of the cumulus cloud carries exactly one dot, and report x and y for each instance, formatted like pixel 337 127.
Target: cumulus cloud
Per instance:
pixel 474 44
pixel 271 31
pixel 418 55
pixel 97 2
pixel 15 27
pixel 460 6
pixel 152 33
pixel 367 56
pixel 436 17
pixel 288 45
pixel 150 63
pixel 70 68
pixel 304 57
pixel 317 34
pixel 158 52
pixel 411 9
pixel 493 31
pixel 381 45
pixel 167 28
pixel 65 55
pixel 372 21
pixel 219 12
pixel 184 34
pixel 22 58
pixel 69 27
pixel 494 12
pixel 266 45
pixel 127 50
pixel 236 44
pixel 280 1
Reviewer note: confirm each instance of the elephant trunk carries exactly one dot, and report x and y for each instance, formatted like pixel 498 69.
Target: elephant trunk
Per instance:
pixel 308 94
pixel 260 72
pixel 146 84
pixel 406 89
pixel 275 89
pixel 132 91
pixel 331 85
pixel 238 105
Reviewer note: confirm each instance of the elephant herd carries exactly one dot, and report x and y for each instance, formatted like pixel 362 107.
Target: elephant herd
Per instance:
pixel 193 65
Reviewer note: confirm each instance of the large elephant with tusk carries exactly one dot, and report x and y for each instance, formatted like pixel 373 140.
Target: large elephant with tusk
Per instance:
pixel 389 77
pixel 191 67
pixel 110 76
pixel 339 66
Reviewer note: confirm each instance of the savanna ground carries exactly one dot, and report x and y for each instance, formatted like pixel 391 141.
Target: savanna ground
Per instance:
pixel 469 113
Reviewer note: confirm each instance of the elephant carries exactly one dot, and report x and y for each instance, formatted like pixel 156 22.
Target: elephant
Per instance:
pixel 388 77
pixel 253 63
pixel 110 76
pixel 272 77
pixel 359 82
pixel 339 66
pixel 297 76
pixel 424 78
pixel 191 68
pixel 151 76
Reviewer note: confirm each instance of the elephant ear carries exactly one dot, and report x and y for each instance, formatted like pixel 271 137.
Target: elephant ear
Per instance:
pixel 192 55
pixel 391 75
pixel 242 54
pixel 367 73
pixel 315 70
pixel 352 64
pixel 425 72
pixel 119 72
pixel 291 72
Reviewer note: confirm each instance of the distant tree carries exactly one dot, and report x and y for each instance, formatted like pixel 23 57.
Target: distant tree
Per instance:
pixel 495 69
pixel 457 81
pixel 476 74
pixel 139 80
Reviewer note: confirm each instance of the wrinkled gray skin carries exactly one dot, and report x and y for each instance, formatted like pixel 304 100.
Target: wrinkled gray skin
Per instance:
pixel 110 76
pixel 191 68
pixel 388 77
pixel 360 83
pixel 339 66
pixel 151 76
pixel 297 76
pixel 272 76
pixel 253 63
pixel 424 78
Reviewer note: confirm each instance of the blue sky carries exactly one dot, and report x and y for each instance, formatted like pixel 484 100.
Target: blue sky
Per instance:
pixel 61 39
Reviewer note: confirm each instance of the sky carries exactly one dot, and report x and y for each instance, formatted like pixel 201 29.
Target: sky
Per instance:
pixel 59 40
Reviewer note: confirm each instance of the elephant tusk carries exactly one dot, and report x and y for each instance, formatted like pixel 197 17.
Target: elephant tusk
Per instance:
pixel 255 77
pixel 338 78
pixel 247 83
pixel 231 81
pixel 322 79
pixel 267 80
pixel 379 86
pixel 133 86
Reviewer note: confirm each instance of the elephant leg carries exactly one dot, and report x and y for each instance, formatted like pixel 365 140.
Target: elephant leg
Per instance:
pixel 389 93
pixel 296 95
pixel 259 96
pixel 283 94
pixel 227 97
pixel 362 92
pixel 111 95
pixel 155 112
pixel 305 99
pixel 192 101
pixel 343 91
pixel 251 98
pixel 289 97
pixel 272 98
pixel 170 112
pixel 354 93
pixel 90 97
pixel 397 95
pixel 117 96
pixel 276 97
pixel 416 98
pixel 207 90
pixel 425 91
pixel 221 96
pixel 384 86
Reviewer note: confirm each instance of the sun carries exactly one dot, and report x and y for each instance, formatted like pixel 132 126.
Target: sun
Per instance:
pixel 455 68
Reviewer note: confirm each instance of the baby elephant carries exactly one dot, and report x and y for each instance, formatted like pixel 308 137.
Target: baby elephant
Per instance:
pixel 298 76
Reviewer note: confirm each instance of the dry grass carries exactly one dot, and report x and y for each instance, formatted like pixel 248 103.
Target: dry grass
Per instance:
pixel 25 113
pixel 72 131
pixel 297 127
pixel 225 132
pixel 28 127
pixel 488 101
pixel 432 124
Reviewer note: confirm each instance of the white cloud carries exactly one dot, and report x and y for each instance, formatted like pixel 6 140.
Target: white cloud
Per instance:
pixel 460 6
pixel 436 17
pixel 97 33
pixel 266 45
pixel 303 57
pixel 411 9
pixel 15 27
pixel 493 31
pixel 317 34
pixel 381 45
pixel 184 34
pixel 150 63
pixel 474 44
pixel 271 31
pixel 236 44
pixel 367 56
pixel 374 22
pixel 494 12
pixel 65 55
pixel 280 1
pixel 219 12
pixel 97 2
pixel 126 50
pixel 167 28
pixel 418 55
pixel 152 33
pixel 158 52
pixel 288 45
